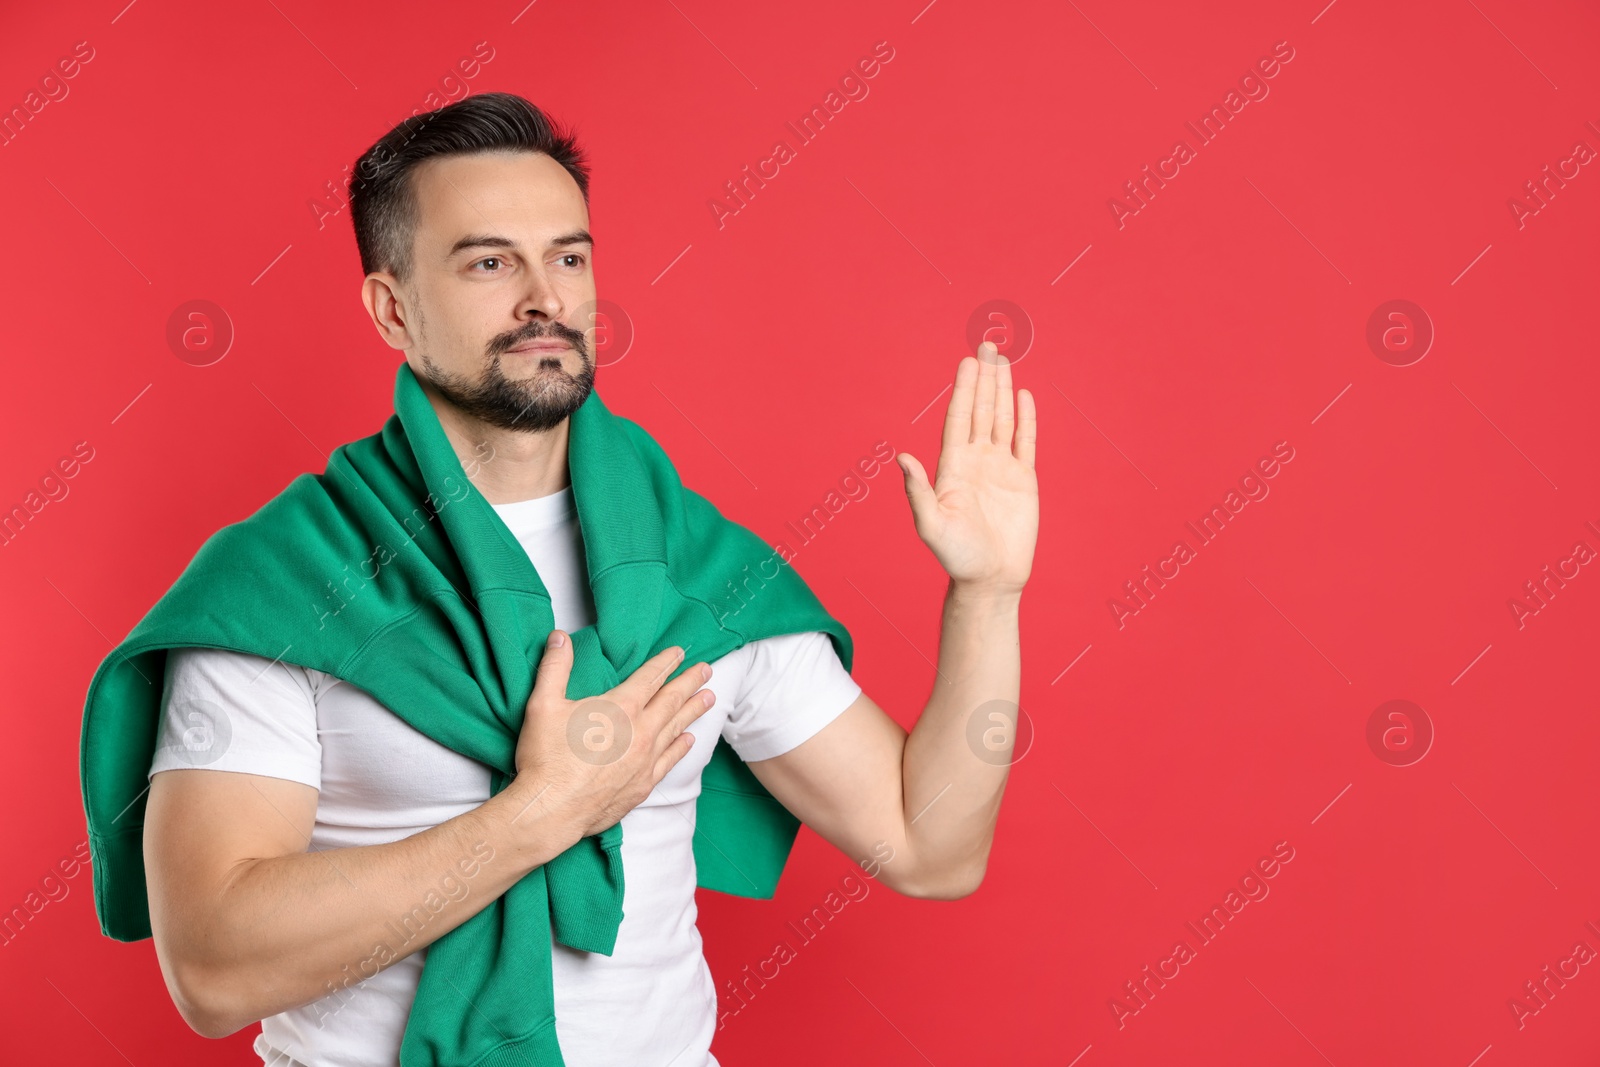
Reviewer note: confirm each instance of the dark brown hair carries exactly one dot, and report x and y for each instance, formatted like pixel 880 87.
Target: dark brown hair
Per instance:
pixel 383 201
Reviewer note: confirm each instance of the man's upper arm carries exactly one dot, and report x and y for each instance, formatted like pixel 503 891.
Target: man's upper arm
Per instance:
pixel 842 780
pixel 235 779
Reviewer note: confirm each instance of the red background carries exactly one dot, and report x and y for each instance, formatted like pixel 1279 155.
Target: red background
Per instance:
pixel 1227 315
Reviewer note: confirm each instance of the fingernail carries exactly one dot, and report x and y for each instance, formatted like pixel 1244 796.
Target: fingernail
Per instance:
pixel 556 639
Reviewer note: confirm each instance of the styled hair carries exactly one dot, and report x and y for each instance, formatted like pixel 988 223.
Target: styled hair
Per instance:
pixel 383 199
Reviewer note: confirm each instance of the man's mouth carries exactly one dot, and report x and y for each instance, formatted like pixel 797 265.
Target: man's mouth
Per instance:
pixel 542 346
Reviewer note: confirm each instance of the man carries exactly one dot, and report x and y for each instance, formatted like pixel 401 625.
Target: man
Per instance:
pixel 277 860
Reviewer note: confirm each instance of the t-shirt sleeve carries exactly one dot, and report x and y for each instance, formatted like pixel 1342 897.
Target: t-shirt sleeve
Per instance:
pixel 795 685
pixel 232 711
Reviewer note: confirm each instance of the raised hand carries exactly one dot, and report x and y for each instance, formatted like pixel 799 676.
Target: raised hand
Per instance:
pixel 980 515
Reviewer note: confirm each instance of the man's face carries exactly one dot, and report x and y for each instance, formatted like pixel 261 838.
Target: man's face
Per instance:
pixel 502 288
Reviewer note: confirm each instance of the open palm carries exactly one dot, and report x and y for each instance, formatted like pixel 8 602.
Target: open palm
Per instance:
pixel 980 515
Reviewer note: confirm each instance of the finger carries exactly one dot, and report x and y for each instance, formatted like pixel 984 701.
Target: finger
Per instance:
pixel 1004 413
pixel 1027 427
pixel 983 401
pixel 958 416
pixel 697 704
pixel 674 752
pixel 918 489
pixel 659 711
pixel 555 667
pixel 643 683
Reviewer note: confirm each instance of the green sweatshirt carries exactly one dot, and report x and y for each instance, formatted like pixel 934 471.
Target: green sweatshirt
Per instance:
pixel 391 571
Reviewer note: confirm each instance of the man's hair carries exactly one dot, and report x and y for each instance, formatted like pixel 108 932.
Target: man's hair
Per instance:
pixel 383 198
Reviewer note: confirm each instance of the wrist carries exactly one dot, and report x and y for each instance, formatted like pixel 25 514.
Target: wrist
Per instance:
pixel 993 596
pixel 536 826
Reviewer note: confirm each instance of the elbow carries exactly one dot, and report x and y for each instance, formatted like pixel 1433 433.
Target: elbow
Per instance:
pixel 201 1002
pixel 953 883
pixel 955 889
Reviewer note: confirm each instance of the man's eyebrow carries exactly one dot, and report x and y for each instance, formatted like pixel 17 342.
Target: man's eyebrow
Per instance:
pixel 490 240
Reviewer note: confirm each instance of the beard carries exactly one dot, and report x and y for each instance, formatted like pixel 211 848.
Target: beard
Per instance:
pixel 538 403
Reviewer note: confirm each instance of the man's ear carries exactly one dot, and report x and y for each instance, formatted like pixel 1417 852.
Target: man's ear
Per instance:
pixel 381 294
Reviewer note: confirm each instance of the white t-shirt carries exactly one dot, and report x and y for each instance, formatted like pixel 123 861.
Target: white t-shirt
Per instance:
pixel 381 780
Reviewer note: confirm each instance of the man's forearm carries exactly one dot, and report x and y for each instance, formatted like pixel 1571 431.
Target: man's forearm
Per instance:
pixel 954 767
pixel 290 930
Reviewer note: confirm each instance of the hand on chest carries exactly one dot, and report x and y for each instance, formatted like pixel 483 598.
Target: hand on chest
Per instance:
pixel 376 766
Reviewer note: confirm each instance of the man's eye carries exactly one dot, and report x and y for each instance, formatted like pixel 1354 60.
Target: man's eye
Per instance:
pixel 573 255
pixel 490 259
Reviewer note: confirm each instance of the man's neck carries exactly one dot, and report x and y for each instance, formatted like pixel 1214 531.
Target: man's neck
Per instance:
pixel 505 465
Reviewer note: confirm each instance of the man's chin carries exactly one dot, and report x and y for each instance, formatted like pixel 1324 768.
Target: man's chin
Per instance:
pixel 547 402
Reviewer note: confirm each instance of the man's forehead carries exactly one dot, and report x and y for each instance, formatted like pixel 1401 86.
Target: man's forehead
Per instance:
pixel 525 197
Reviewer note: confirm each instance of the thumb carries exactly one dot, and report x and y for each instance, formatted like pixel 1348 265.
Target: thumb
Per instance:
pixel 555 667
pixel 918 491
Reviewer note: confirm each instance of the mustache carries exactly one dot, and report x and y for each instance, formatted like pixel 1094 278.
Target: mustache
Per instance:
pixel 534 331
